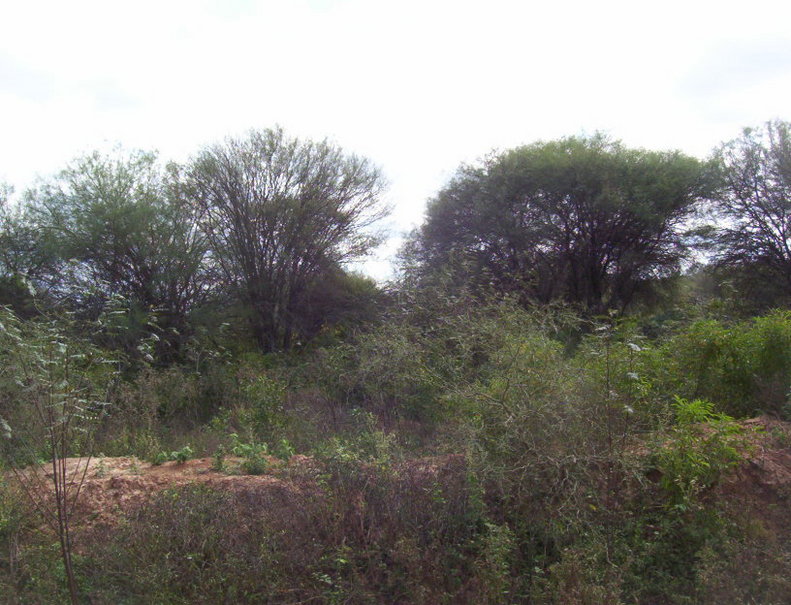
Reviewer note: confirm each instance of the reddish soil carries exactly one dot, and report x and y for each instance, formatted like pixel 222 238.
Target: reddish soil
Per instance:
pixel 113 486
pixel 761 485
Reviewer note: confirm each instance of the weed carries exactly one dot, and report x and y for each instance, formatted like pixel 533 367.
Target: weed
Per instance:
pixel 101 468
pixel 701 447
pixel 218 460
pixel 283 450
pixel 254 454
pixel 181 456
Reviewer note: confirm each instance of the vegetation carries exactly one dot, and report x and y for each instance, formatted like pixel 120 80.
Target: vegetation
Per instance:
pixel 551 405
pixel 279 213
pixel 582 220
pixel 754 204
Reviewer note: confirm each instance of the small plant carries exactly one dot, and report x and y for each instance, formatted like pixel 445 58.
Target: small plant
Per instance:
pixel 160 458
pixel 702 446
pixel 101 468
pixel 257 465
pixel 497 548
pixel 181 456
pixel 284 450
pixel 254 454
pixel 218 460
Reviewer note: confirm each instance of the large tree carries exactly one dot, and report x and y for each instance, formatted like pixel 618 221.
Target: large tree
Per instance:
pixel 280 213
pixel 584 220
pixel 119 225
pixel 754 205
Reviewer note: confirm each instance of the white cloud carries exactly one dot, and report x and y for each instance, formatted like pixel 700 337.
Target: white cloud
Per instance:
pixel 418 86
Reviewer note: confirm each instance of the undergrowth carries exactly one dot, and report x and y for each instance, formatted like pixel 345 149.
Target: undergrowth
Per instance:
pixel 492 455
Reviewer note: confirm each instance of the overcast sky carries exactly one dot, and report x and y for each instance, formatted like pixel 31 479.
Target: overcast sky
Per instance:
pixel 417 86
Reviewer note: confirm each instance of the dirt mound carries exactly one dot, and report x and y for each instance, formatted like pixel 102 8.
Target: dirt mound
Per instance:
pixel 116 486
pixel 762 483
pixel 768 463
pixel 113 487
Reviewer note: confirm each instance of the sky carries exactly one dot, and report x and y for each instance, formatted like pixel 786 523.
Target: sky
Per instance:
pixel 419 87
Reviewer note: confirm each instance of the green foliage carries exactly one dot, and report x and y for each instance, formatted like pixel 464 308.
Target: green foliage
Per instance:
pixel 181 456
pixel 160 458
pixel 624 368
pixel 120 226
pixel 581 575
pixel 265 398
pixel 700 448
pixel 218 459
pixel 384 372
pixel 371 446
pixel 744 368
pixel 53 384
pixel 750 564
pixel 584 220
pixel 497 552
pixel 254 454
pixel 283 449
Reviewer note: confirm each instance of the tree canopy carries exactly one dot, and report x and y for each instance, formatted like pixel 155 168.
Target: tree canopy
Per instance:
pixel 584 220
pixel 115 224
pixel 279 213
pixel 754 205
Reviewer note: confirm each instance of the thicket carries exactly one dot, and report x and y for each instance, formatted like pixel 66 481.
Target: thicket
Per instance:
pixel 576 462
pixel 487 430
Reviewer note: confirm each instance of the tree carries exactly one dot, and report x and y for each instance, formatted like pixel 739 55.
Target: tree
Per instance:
pixel 22 257
pixel 279 213
pixel 584 220
pixel 754 205
pixel 119 226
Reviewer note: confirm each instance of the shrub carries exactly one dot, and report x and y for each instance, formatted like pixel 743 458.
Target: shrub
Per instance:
pixel 263 406
pixel 700 448
pixel 408 534
pixel 254 454
pixel 60 376
pixel 181 456
pixel 745 368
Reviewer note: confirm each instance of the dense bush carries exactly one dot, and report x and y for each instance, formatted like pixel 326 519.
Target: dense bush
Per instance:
pixel 346 534
pixel 744 367
pixel 577 465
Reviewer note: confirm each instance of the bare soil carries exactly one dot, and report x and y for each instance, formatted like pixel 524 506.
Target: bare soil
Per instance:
pixel 116 486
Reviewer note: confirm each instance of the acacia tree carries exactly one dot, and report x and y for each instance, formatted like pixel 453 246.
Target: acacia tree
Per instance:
pixel 755 203
pixel 279 212
pixel 119 227
pixel 579 219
